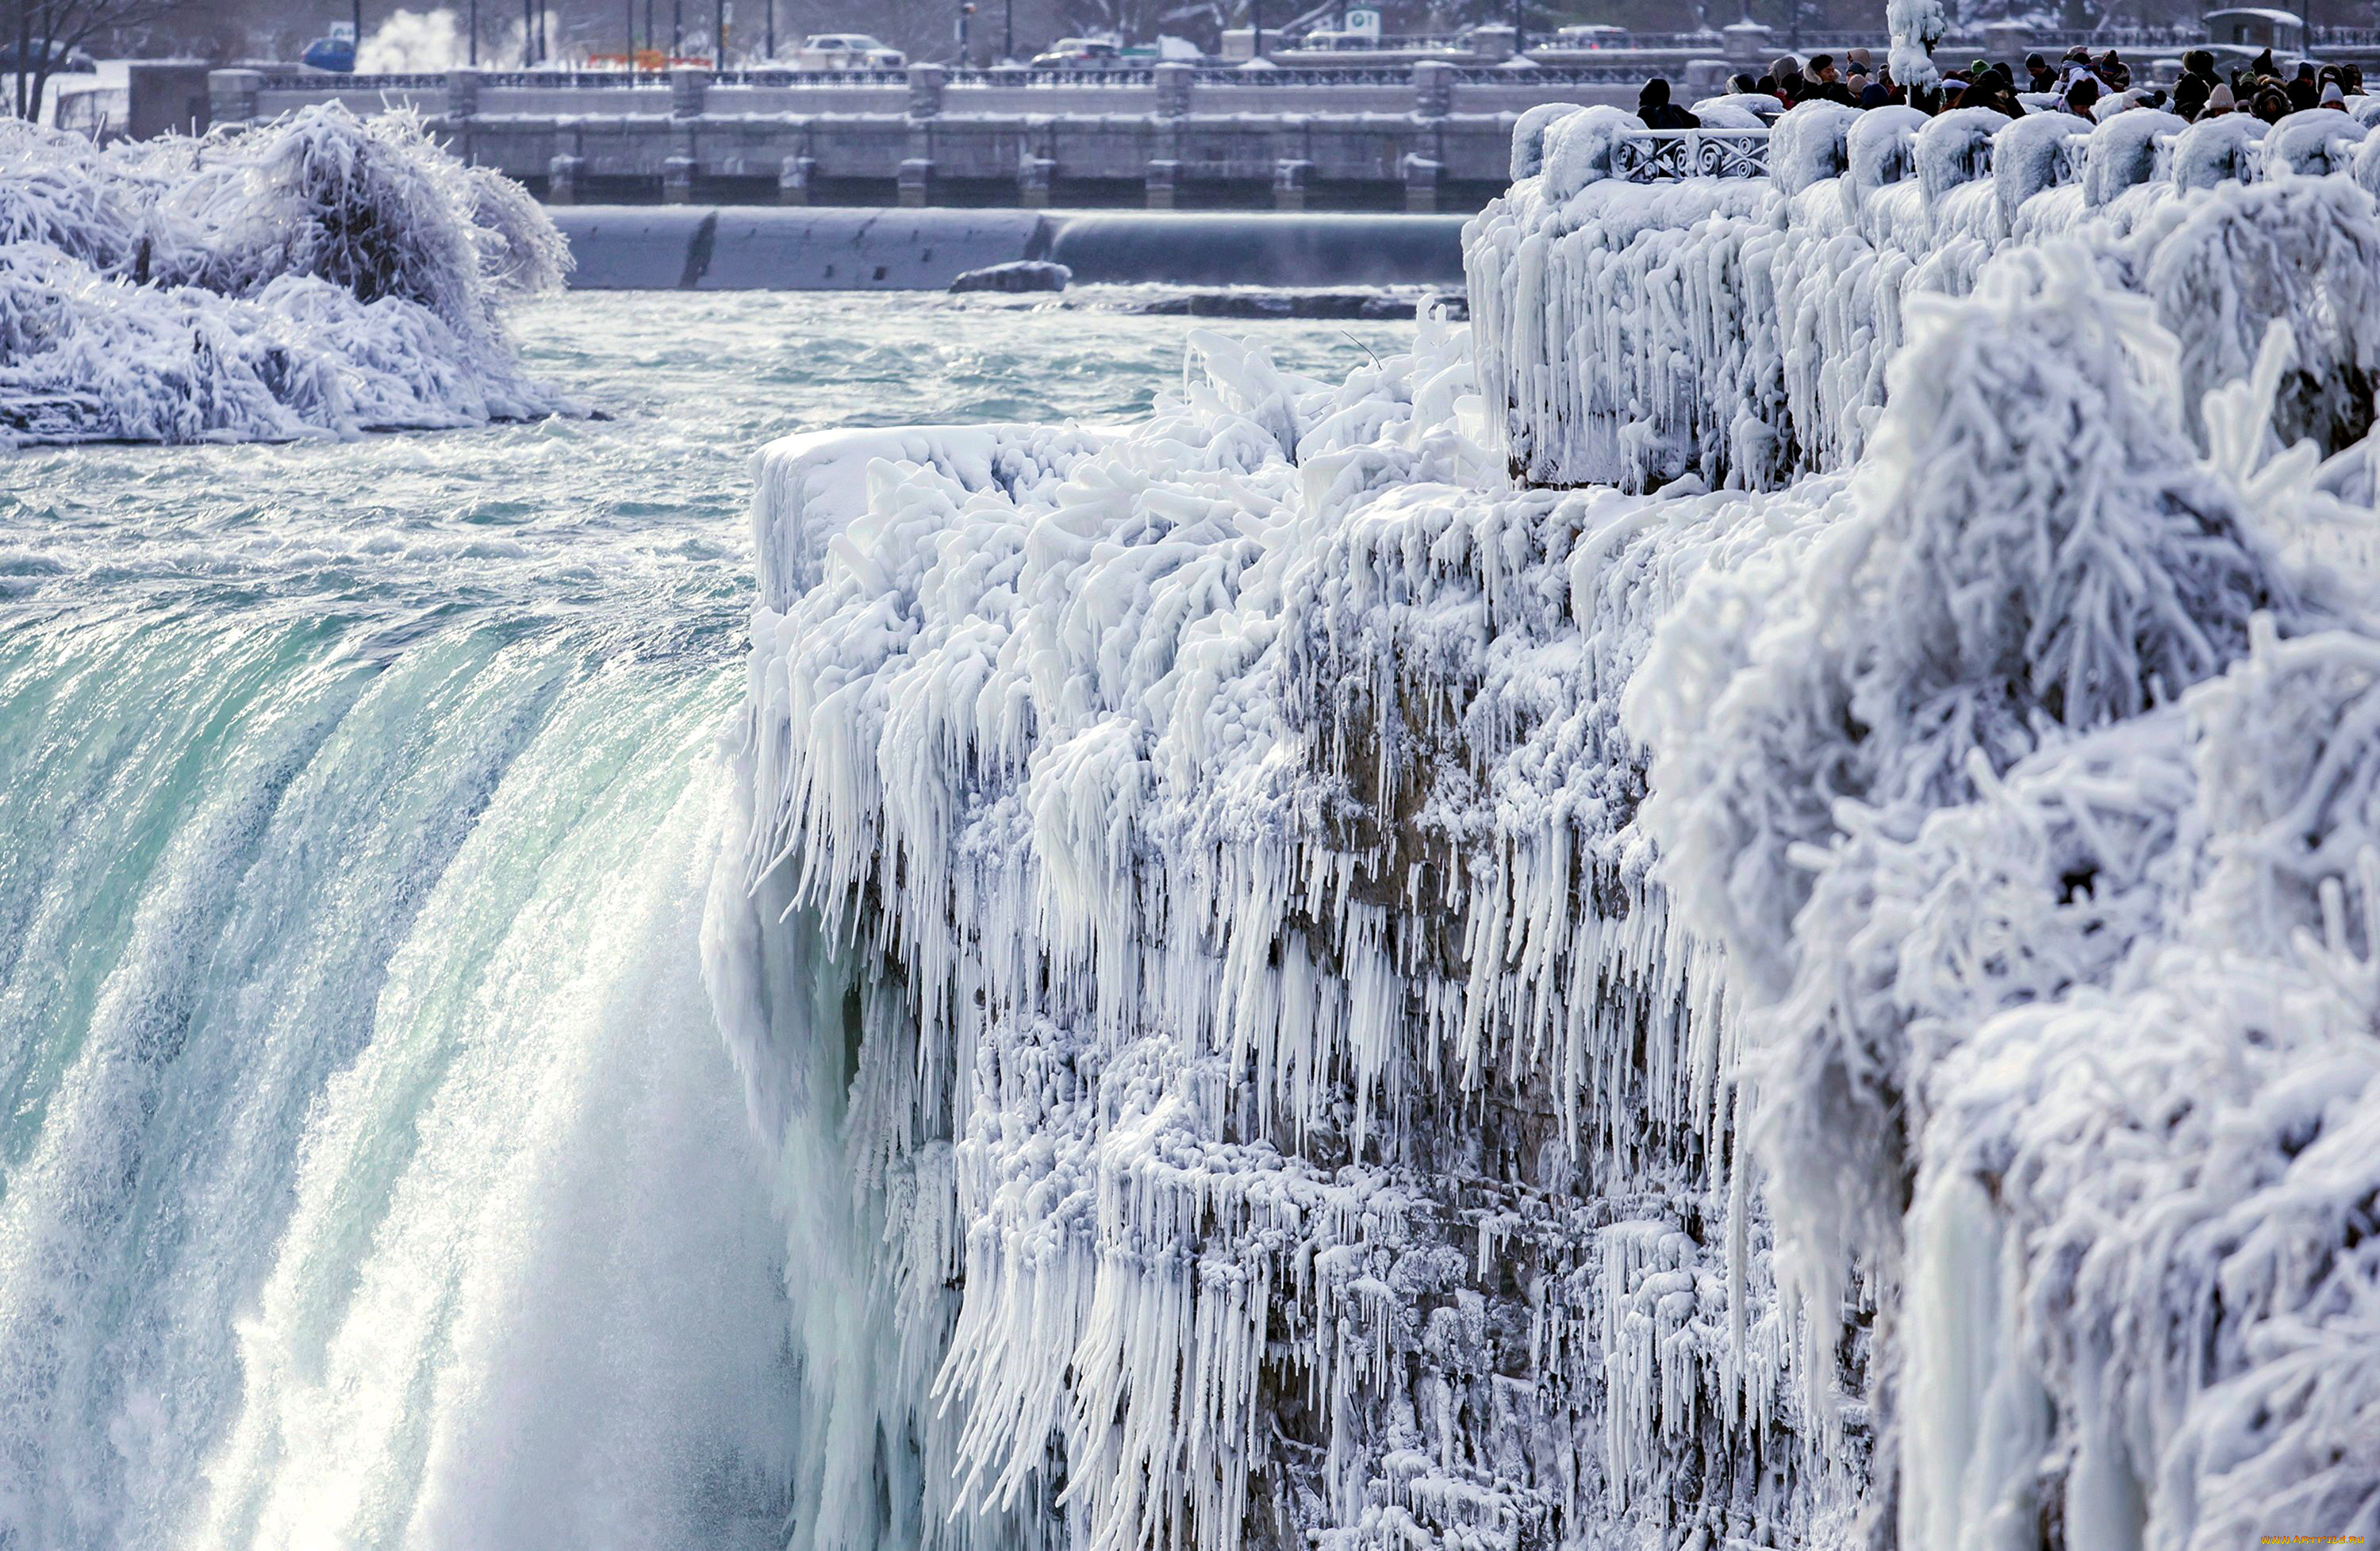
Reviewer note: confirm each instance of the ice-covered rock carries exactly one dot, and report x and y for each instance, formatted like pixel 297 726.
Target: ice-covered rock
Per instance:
pixel 319 275
pixel 1359 1001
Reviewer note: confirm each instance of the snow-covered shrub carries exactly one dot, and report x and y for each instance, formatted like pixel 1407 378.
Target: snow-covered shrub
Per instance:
pixel 319 274
pixel 1632 333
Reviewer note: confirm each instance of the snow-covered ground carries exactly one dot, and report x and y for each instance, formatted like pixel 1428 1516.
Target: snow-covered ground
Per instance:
pixel 1365 1001
pixel 316 276
pixel 110 81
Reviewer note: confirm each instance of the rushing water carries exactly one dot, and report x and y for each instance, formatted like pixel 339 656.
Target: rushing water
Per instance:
pixel 370 1172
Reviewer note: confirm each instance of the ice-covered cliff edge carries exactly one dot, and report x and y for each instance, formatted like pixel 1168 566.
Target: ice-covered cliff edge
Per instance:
pixel 1318 996
pixel 319 275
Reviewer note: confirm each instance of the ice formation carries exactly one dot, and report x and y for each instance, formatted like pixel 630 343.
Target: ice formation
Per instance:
pixel 1359 1000
pixel 1741 326
pixel 315 276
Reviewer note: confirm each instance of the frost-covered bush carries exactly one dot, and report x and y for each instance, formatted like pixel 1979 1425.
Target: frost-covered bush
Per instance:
pixel 1738 330
pixel 2038 828
pixel 316 275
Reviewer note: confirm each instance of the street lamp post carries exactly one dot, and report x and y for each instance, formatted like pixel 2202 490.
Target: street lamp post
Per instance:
pixel 475 34
pixel 1007 30
pixel 1255 24
pixel 355 24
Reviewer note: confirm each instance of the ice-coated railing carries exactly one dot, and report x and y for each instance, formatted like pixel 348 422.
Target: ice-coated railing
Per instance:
pixel 1666 155
pixel 1736 327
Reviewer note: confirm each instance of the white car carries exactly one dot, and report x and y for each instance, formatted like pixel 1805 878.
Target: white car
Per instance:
pixel 846 51
pixel 1079 54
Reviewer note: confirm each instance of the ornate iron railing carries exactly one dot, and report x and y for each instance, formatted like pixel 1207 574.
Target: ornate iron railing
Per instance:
pixel 1550 75
pixel 1674 155
pixel 869 76
pixel 1019 74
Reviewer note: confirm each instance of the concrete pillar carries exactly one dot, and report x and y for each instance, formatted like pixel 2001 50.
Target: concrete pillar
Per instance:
pixel 1033 176
pixel 1706 78
pixel 925 91
pixel 1173 83
pixel 1289 176
pixel 2010 42
pixel 916 182
pixel 677 180
pixel 159 97
pixel 561 175
pixel 690 84
pixel 793 176
pixel 1433 81
pixel 232 95
pixel 1422 175
pixel 1162 178
pixel 461 93
pixel 1750 46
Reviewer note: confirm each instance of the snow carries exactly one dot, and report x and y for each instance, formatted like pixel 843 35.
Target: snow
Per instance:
pixel 315 276
pixel 1731 907
pixel 1740 331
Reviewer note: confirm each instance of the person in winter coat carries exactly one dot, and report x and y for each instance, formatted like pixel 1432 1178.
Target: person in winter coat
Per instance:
pixel 2219 102
pixel 2082 96
pixel 1653 106
pixel 2042 78
pixel 1824 84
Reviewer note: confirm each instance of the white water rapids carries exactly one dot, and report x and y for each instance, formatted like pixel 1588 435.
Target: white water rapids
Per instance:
pixel 372 1173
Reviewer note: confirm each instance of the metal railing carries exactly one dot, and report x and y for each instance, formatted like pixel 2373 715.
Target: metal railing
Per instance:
pixel 1387 42
pixel 1550 75
pixel 1675 155
pixel 1024 75
pixel 322 80
pixel 777 76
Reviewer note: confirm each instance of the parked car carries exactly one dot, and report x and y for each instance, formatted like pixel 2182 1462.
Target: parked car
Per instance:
pixel 847 51
pixel 335 54
pixel 1079 54
pixel 63 61
pixel 1591 35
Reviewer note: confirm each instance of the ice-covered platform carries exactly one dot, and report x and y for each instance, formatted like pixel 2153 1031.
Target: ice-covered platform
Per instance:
pixel 733 248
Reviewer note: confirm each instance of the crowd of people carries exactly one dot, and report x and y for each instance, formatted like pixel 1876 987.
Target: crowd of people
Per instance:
pixel 2079 84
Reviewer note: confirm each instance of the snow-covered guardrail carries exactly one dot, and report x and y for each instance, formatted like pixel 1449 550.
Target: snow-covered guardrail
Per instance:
pixel 1734 325
pixel 1665 155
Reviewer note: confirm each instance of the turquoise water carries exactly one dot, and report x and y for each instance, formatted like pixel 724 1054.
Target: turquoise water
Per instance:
pixel 371 1173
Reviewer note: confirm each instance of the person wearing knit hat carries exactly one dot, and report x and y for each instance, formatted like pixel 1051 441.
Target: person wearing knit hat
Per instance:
pixel 2219 102
pixel 1858 59
pixel 2332 97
